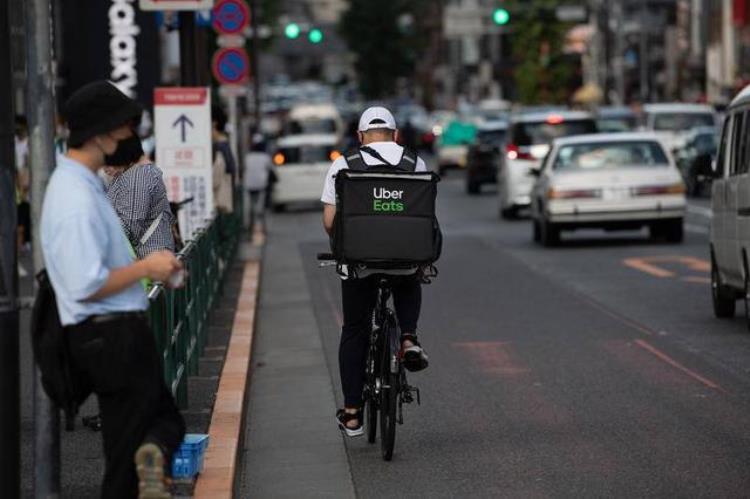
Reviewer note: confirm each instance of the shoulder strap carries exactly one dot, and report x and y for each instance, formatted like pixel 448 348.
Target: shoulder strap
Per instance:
pixel 354 161
pixel 151 230
pixel 408 161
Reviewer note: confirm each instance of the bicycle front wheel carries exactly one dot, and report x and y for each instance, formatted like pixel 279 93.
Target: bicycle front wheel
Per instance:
pixel 389 390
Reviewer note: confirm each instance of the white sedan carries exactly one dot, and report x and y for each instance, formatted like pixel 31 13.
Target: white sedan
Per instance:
pixel 617 181
pixel 301 163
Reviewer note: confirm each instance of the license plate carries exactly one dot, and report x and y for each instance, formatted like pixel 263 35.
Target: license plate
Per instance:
pixel 615 194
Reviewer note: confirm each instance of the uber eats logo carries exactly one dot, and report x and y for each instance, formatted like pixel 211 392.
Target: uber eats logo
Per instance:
pixel 387 201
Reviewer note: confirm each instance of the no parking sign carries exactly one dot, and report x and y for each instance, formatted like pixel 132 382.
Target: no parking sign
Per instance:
pixel 231 66
pixel 231 17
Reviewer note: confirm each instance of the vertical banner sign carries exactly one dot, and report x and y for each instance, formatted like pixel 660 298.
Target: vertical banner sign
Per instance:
pixel 182 122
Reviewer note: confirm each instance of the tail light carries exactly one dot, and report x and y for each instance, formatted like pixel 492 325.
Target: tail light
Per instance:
pixel 656 190
pixel 279 159
pixel 574 194
pixel 513 152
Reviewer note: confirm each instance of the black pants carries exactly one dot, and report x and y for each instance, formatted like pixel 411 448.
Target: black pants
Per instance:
pixel 358 298
pixel 119 361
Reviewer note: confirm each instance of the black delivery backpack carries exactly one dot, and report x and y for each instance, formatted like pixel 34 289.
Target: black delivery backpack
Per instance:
pixel 385 215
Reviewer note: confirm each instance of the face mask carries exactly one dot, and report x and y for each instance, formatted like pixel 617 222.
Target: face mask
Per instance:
pixel 128 151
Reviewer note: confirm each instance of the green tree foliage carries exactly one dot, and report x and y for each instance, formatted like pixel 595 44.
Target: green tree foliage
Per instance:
pixel 542 72
pixel 386 39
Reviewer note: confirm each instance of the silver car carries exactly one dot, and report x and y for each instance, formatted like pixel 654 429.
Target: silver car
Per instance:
pixel 613 181
pixel 528 139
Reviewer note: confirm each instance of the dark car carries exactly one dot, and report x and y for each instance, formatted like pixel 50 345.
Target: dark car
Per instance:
pixel 484 154
pixel 694 159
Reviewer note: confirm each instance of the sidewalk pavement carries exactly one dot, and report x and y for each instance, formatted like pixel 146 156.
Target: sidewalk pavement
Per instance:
pixel 292 447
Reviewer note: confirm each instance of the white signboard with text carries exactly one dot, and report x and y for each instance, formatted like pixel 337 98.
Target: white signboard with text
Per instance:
pixel 182 124
pixel 176 4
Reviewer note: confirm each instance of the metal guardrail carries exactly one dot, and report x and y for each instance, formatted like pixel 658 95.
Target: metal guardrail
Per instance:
pixel 179 317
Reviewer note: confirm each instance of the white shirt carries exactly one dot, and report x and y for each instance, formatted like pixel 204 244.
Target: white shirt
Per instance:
pixel 258 165
pixel 390 151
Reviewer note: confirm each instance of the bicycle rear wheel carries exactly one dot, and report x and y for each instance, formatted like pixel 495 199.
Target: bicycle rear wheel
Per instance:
pixel 371 402
pixel 389 389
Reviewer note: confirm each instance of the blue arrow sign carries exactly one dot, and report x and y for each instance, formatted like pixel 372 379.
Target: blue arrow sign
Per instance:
pixel 183 121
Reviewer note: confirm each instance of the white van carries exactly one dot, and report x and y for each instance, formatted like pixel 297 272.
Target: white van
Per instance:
pixel 673 121
pixel 319 119
pixel 730 207
pixel 301 163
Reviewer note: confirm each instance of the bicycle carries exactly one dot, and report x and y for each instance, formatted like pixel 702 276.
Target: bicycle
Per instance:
pixel 386 388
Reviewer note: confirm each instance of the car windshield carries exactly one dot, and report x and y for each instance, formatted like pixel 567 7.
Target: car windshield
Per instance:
pixel 681 122
pixel 611 125
pixel 491 137
pixel 297 127
pixel 706 143
pixel 608 155
pixel 304 154
pixel 543 132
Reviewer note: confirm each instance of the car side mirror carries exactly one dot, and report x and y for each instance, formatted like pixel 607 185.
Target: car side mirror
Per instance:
pixel 715 171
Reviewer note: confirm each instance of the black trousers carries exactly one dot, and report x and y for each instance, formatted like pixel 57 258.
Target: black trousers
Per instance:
pixel 120 363
pixel 358 298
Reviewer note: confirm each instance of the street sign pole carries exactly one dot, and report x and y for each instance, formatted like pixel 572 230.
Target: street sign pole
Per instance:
pixel 41 117
pixel 188 53
pixel 254 53
pixel 10 415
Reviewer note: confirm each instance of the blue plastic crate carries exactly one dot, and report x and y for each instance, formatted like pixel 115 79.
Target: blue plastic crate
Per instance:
pixel 188 459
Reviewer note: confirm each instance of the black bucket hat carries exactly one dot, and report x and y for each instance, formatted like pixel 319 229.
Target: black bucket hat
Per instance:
pixel 96 108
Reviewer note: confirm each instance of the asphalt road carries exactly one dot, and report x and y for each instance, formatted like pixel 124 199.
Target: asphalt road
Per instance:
pixel 593 369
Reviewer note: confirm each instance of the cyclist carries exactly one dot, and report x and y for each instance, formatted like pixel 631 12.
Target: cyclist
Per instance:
pixel 377 135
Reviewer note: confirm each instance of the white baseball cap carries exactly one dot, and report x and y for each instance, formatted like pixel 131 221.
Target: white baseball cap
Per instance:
pixel 376 117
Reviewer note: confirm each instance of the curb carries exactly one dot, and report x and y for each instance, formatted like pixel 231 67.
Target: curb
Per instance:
pixel 217 480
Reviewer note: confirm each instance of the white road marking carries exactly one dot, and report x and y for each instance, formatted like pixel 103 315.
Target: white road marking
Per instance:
pixel 700 210
pixel 696 229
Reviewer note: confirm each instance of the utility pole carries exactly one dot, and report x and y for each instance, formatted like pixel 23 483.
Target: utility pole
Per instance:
pixel 254 54
pixel 188 53
pixel 643 58
pixel 10 415
pixel 619 58
pixel 40 114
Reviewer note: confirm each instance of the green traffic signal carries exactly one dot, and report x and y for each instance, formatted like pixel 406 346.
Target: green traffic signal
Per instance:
pixel 292 31
pixel 501 17
pixel 315 36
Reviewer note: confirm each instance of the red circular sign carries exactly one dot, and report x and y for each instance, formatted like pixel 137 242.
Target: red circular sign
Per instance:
pixel 231 66
pixel 230 17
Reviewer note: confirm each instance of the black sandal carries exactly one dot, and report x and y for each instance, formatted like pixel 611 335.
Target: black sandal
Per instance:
pixel 343 419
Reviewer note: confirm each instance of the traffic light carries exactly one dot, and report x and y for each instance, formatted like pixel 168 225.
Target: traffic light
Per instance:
pixel 501 16
pixel 292 31
pixel 315 36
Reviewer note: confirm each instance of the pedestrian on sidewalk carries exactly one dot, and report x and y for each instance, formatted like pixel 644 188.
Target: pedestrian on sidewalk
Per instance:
pixel 258 170
pixel 224 164
pixel 23 184
pixel 100 300
pixel 139 196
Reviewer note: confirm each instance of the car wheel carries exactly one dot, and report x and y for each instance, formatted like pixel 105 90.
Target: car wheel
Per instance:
pixel 674 231
pixel 549 234
pixel 536 231
pixel 722 297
